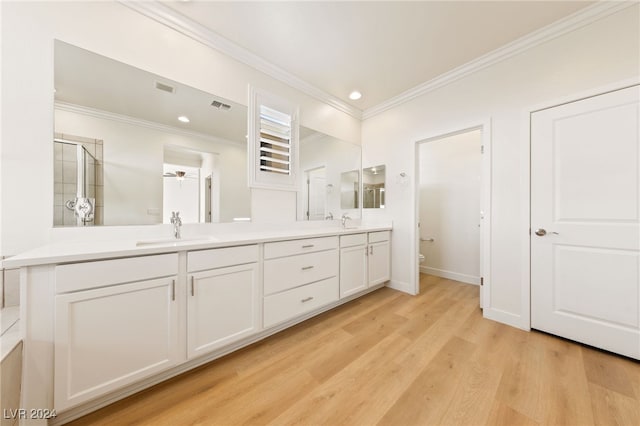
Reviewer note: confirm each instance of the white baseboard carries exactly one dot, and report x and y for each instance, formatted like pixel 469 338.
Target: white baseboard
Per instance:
pixel 463 278
pixel 402 286
pixel 505 317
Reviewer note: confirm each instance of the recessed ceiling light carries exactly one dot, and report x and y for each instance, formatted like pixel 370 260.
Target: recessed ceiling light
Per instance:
pixel 355 95
pixel 184 119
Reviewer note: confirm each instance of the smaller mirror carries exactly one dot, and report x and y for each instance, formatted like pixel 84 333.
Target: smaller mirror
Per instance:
pixel 373 187
pixel 349 185
pixel 326 191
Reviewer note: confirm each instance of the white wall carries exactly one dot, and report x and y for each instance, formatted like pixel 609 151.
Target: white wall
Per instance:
pixel 2 251
pixel 450 171
pixel 113 30
pixel 598 54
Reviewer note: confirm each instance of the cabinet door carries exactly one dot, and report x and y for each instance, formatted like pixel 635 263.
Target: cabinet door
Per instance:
pixel 222 307
pixel 110 337
pixel 353 270
pixel 379 263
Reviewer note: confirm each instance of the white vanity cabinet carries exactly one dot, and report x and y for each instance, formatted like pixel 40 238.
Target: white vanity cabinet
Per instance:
pixel 222 297
pixel 364 261
pixel 299 277
pixel 116 322
pixel 353 264
pixel 100 325
pixel 379 257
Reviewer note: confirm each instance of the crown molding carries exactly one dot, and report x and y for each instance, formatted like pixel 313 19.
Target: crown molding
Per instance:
pixel 178 22
pixel 583 17
pixel 106 115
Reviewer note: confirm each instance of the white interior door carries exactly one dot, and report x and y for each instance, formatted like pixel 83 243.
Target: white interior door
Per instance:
pixel 585 215
pixel 317 194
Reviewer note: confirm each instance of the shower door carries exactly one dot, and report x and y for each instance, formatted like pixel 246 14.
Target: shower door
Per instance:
pixel 74 184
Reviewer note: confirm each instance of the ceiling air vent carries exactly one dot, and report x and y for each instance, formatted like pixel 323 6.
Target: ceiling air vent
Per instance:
pixel 220 105
pixel 165 87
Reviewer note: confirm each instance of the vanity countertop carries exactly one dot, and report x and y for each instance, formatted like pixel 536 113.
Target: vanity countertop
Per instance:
pixel 85 250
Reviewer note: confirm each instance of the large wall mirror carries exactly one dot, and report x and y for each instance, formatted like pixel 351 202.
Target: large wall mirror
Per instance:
pixel 131 146
pixel 324 163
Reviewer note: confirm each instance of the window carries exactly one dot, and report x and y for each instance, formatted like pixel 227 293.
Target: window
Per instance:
pixel 272 142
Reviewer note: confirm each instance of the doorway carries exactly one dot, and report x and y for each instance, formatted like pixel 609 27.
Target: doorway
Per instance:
pixel 181 192
pixel 316 194
pixel 453 207
pixel 208 189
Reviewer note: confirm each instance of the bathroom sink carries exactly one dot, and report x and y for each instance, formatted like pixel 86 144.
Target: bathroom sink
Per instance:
pixel 173 241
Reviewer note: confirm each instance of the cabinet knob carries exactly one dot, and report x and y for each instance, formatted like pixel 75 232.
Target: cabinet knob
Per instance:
pixel 307 299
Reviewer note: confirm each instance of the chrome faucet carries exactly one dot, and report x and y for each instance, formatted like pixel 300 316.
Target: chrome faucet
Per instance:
pixel 177 223
pixel 329 216
pixel 344 219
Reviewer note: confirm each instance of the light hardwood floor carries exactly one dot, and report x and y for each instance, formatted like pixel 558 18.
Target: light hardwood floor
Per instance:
pixel 394 359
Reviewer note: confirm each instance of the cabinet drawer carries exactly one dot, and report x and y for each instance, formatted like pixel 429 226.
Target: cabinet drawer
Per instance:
pixel 288 272
pixel 376 237
pixel 293 247
pixel 201 260
pixel 289 304
pixel 83 276
pixel 353 240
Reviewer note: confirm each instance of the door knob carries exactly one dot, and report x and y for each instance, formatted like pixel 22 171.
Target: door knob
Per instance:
pixel 541 232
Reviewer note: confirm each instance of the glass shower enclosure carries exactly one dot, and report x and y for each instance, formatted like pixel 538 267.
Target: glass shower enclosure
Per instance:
pixel 74 184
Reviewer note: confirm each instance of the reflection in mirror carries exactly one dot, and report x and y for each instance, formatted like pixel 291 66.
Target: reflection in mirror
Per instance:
pixel 373 187
pixel 131 146
pixel 323 161
pixel 317 194
pixel 349 189
pixel 187 185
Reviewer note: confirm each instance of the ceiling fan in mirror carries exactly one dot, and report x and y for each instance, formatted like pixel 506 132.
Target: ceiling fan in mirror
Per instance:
pixel 180 175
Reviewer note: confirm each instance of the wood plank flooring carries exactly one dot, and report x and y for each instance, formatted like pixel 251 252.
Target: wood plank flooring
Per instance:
pixel 399 360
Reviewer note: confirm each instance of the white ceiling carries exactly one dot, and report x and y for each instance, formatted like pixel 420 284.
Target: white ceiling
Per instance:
pixel 381 48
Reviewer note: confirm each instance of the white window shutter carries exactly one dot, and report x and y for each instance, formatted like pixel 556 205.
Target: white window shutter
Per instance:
pixel 272 142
